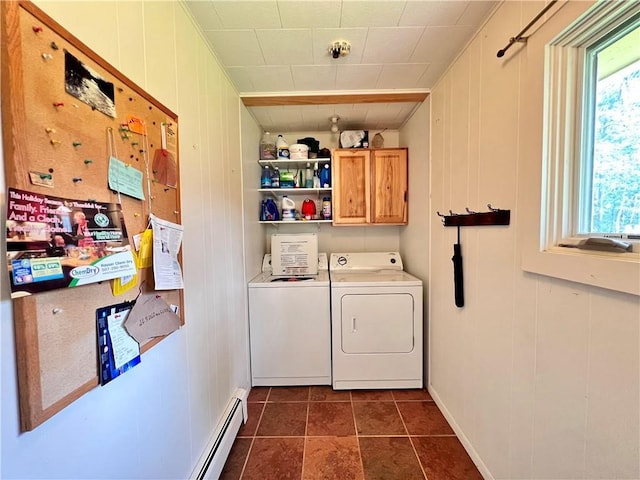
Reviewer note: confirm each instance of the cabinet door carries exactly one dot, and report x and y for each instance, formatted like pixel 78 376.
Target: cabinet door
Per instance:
pixel 389 180
pixel 351 186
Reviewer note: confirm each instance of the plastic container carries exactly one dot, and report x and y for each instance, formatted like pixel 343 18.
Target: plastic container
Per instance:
pixel 308 176
pixel 275 178
pixel 265 179
pixel 288 209
pixel 287 179
pixel 298 151
pixel 282 147
pixel 267 147
pixel 316 178
pixel 326 208
pixel 269 211
pixel 308 209
pixel 325 177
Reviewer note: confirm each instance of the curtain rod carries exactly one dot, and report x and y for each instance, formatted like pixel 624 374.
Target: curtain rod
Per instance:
pixel 519 37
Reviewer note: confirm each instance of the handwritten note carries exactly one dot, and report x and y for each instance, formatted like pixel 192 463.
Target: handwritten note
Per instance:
pixel 125 179
pixel 151 317
pixel 125 348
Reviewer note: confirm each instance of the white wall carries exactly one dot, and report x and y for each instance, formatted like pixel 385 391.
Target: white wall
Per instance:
pixel 541 377
pixel 414 238
pixel 154 421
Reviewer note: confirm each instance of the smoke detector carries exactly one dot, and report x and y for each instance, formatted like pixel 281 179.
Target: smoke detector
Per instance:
pixel 339 49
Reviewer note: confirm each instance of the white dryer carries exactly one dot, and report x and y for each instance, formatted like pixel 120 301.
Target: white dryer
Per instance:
pixel 376 320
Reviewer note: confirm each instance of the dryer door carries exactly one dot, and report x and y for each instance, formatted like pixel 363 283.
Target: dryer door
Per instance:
pixel 380 323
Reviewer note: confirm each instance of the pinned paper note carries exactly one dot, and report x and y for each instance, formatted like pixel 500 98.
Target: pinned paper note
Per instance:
pixel 125 348
pixel 151 317
pixel 125 179
pixel 136 125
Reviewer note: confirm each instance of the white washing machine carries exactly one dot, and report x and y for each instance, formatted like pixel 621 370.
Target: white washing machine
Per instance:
pixel 290 327
pixel 376 321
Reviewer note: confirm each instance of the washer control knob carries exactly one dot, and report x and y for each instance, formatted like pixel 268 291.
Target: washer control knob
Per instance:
pixel 342 261
pixel 393 260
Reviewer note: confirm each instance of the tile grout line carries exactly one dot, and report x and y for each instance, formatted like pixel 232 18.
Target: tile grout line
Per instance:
pixel 355 426
pixel 255 433
pixel 415 452
pixel 306 430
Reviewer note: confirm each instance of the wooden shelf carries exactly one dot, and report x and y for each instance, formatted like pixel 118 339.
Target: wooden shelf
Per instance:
pixel 295 222
pixel 295 190
pixel 294 163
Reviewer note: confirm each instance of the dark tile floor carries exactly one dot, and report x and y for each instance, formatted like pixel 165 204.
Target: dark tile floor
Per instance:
pixel 316 433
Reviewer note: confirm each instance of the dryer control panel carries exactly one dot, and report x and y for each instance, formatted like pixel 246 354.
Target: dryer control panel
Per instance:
pixel 365 261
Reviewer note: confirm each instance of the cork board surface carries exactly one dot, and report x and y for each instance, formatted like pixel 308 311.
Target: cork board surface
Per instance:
pixel 51 132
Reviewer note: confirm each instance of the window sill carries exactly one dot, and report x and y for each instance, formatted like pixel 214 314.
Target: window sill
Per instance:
pixel 613 271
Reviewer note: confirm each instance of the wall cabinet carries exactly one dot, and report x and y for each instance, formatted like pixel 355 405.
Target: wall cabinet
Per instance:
pixel 297 194
pixel 370 186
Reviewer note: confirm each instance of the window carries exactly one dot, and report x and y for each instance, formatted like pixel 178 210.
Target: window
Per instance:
pixel 591 150
pixel 609 170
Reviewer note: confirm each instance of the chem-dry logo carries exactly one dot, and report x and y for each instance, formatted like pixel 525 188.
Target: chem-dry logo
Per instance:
pixel 84 272
pixel 101 220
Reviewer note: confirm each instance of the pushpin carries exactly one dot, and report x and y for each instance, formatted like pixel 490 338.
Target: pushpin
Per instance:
pixel 36 29
pixel 50 130
pixel 45 176
pixel 76 144
pixel 58 104
pixel 136 214
pixel 56 311
pixel 54 46
pixel 76 179
pixel 47 56
pixel 133 144
pixel 54 141
pixel 88 161
pixel 166 189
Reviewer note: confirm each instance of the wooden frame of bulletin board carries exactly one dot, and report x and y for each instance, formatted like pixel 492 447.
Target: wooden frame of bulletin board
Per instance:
pixel 48 130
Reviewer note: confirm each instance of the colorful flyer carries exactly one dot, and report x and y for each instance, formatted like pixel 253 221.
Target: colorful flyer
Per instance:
pixel 57 242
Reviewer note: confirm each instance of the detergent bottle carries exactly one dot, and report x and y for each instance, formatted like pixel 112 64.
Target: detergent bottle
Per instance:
pixel 283 148
pixel 275 178
pixel 308 177
pixel 288 209
pixel 265 179
pixel 325 177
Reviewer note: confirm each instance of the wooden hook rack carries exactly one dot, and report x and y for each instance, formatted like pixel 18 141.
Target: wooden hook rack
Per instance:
pixel 494 216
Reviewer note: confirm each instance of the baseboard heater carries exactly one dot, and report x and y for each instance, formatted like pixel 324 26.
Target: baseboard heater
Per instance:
pixel 215 454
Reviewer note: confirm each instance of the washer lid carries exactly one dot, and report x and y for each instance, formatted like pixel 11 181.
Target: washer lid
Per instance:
pixel 374 278
pixel 266 280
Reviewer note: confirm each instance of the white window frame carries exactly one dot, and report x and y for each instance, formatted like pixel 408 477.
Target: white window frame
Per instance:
pixel 564 70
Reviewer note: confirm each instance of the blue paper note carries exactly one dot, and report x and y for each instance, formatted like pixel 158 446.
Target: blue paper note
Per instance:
pixel 125 179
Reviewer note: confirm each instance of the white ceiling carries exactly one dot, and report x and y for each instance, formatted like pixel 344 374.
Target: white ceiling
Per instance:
pixel 281 47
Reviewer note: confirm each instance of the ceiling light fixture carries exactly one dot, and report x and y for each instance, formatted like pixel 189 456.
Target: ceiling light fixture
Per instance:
pixel 339 48
pixel 334 124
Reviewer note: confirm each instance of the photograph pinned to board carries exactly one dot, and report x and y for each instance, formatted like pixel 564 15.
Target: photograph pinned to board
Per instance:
pixel 165 168
pixel 152 317
pixel 167 239
pixel 87 86
pixel 118 352
pixel 55 242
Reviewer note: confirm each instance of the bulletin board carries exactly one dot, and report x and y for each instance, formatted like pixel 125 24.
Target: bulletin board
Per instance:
pixel 55 138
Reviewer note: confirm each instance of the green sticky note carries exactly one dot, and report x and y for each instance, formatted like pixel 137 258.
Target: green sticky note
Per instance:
pixel 125 179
